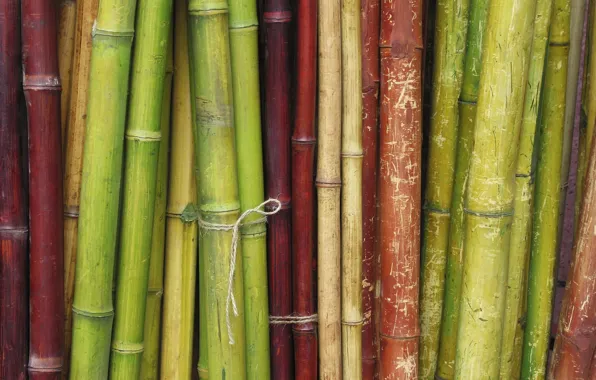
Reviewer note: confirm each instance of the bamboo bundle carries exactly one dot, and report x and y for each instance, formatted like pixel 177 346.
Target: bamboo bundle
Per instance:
pixel 575 344
pixel 152 331
pixel 182 232
pixel 218 194
pixel 102 171
pixel 67 12
pixel 521 229
pixel 13 204
pixel 328 184
pixel 41 84
pixel 491 186
pixel 303 212
pixel 450 41
pixel 277 15
pixel 478 13
pixel 247 123
pixel 370 18
pixel 400 186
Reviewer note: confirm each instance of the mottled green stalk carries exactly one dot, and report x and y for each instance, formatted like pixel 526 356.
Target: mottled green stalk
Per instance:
pixel 489 198
pixel 150 361
pixel 543 258
pixel 478 12
pixel 100 189
pixel 451 28
pixel 519 251
pixel 218 194
pixel 247 123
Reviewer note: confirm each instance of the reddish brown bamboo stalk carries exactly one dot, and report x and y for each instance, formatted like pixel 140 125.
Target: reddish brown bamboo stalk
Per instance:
pixel 400 186
pixel 575 344
pixel 303 216
pixel 370 18
pixel 277 16
pixel 46 277
pixel 13 209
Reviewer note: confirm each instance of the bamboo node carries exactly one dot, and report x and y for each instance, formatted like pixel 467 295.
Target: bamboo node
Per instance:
pixel 353 323
pixel 489 214
pixel 235 228
pixel 95 31
pixel 293 319
pixel 141 135
pixel 91 314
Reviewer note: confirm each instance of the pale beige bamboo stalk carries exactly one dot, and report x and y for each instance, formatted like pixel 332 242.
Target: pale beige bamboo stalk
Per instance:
pixel 67 12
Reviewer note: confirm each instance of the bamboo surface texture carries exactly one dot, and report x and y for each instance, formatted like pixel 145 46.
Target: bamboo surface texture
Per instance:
pixel 41 84
pixel 181 232
pixel 218 193
pixel 303 212
pixel 67 14
pixel 400 186
pixel 451 27
pixel 489 199
pixel 102 171
pixel 370 19
pixel 13 203
pixel 328 184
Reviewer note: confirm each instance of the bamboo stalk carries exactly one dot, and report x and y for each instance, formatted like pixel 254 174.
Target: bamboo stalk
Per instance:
pixel 218 193
pixel 521 229
pixel 450 38
pixel 182 233
pixel 152 331
pixel 491 187
pixel 67 12
pixel 370 21
pixel 478 13
pixel 303 212
pixel 13 203
pixel 41 84
pixel 328 184
pixel 102 171
pixel 400 171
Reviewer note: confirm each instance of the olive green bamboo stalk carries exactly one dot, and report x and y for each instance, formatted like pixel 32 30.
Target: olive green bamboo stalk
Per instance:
pixel 66 38
pixel 351 193
pixel 100 190
pixel 478 12
pixel 150 361
pixel 491 187
pixel 218 194
pixel 451 27
pixel 140 178
pixel 541 276
pixel 247 123
pixel 521 229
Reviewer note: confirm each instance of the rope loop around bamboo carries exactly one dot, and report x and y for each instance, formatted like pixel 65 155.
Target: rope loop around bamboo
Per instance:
pixel 293 319
pixel 235 228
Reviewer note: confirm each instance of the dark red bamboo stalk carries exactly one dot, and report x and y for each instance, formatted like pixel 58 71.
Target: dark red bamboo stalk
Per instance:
pixel 46 269
pixel 400 186
pixel 303 210
pixel 13 208
pixel 277 17
pixel 370 19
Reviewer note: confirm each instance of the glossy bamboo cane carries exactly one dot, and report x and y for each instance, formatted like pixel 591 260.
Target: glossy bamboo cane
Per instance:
pixel 13 203
pixel 67 11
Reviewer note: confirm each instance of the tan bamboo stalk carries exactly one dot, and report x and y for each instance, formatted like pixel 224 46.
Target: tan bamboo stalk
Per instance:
pixel 77 114
pixel 67 11
pixel 328 185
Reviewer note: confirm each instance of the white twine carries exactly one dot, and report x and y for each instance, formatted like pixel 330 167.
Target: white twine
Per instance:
pixel 235 228
pixel 293 319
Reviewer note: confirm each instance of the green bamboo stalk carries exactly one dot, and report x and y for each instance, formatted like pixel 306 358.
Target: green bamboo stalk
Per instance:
pixel 102 171
pixel 451 27
pixel 521 230
pixel 478 12
pixel 150 361
pixel 143 138
pixel 247 122
pixel 491 187
pixel 218 193
pixel 541 276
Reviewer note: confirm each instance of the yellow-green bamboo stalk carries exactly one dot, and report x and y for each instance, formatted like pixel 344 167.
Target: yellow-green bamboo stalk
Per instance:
pixel 218 194
pixel 67 12
pixel 491 187
pixel 543 258
pixel 150 361
pixel 451 28
pixel 100 191
pixel 351 193
pixel 247 123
